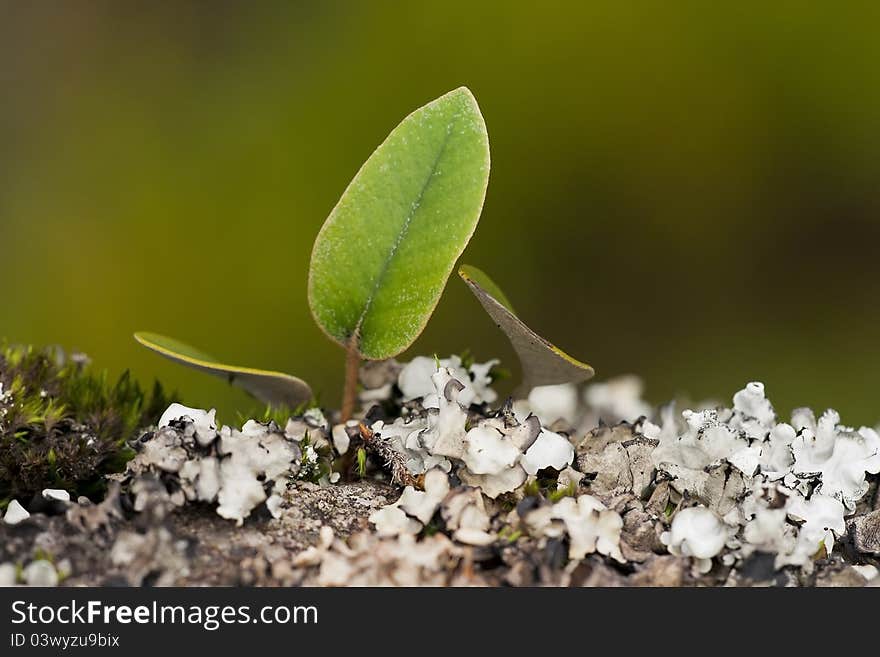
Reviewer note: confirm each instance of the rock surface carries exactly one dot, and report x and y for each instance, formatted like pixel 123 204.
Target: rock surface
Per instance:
pixel 191 545
pixel 323 537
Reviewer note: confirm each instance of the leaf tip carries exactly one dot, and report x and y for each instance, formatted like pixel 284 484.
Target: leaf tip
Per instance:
pixel 465 97
pixel 142 337
pixel 464 92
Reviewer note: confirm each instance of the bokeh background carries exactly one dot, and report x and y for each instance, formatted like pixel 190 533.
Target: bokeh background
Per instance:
pixel 679 190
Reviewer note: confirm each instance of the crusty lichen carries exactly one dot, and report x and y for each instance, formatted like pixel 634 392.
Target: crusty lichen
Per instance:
pixel 492 494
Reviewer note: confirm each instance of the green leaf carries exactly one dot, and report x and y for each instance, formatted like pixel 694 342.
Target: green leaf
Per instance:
pixel 383 256
pixel 273 388
pixel 542 362
pixel 468 272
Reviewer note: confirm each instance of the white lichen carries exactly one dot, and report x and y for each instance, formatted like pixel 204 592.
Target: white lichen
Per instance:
pixel 204 422
pixel 837 457
pixel 15 513
pixel 236 469
pixel 8 574
pixel 820 519
pixel 709 483
pixel 550 450
pixel 699 533
pixel 414 508
pixel 551 404
pixel 415 381
pixel 341 439
pixel 618 399
pixel 369 559
pixel 40 573
pixel 255 455
pixel 464 513
pixel 56 494
pixel 589 524
pixel 488 451
pixel 813 472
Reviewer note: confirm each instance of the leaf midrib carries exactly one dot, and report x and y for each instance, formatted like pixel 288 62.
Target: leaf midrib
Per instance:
pixel 406 224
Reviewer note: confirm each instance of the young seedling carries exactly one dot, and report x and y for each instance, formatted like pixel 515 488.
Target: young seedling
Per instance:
pixel 542 362
pixel 382 258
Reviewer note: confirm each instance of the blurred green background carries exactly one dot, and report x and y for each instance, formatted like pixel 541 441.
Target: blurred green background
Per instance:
pixel 679 190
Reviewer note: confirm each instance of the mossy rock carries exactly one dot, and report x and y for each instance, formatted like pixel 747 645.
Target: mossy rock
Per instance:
pixel 62 425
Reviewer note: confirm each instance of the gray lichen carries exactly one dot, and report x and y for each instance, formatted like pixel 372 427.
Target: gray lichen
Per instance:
pixel 708 497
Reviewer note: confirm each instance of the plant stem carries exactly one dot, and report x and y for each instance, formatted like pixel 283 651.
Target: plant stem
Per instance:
pixel 352 366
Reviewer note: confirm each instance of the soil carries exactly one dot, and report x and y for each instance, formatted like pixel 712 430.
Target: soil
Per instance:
pixel 192 545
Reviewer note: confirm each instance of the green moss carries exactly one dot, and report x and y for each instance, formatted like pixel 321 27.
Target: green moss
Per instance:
pixel 63 425
pixel 498 373
pixel 509 534
pixel 277 414
pixel 557 494
pixel 41 554
pixel 546 487
pixel 361 462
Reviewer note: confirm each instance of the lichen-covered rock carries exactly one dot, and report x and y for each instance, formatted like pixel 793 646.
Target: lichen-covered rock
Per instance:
pixel 368 560
pixel 840 575
pixel 189 459
pixel 739 465
pixel 589 525
pixel 618 458
pixel 111 544
pixel 531 493
pixel 153 557
pixel 63 425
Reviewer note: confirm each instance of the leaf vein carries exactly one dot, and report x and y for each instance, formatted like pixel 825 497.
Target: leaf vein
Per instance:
pixel 400 237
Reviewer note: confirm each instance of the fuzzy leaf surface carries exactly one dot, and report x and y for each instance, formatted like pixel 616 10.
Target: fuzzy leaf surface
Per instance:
pixel 385 253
